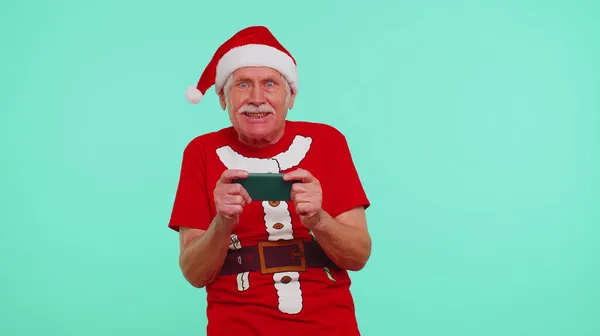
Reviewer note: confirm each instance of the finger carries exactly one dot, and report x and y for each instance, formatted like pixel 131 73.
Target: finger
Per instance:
pixel 300 187
pixel 238 189
pixel 232 188
pixel 296 191
pixel 299 175
pixel 245 195
pixel 232 174
pixel 304 198
pixel 232 210
pixel 294 195
pixel 304 208
pixel 233 200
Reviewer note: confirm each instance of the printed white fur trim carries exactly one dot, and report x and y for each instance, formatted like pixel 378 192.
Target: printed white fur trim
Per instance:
pixel 193 95
pixel 256 55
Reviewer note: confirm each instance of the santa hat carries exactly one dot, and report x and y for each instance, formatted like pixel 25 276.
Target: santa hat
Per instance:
pixel 252 46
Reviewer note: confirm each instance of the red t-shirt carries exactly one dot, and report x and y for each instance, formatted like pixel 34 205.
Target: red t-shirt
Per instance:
pixel 317 301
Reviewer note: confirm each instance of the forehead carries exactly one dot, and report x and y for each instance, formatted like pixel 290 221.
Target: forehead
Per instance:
pixel 259 73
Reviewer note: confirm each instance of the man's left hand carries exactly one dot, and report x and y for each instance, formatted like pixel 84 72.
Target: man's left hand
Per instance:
pixel 307 196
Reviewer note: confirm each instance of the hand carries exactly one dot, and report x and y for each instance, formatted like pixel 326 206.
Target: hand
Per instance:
pixel 230 198
pixel 307 196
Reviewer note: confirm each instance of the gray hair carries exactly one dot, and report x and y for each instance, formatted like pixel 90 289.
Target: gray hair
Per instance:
pixel 229 83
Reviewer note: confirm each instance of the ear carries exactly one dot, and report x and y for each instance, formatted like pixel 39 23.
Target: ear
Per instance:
pixel 291 102
pixel 222 100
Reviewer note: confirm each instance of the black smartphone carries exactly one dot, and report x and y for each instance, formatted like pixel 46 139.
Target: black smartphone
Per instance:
pixel 267 186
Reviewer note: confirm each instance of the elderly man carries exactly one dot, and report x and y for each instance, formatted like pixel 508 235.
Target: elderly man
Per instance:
pixel 269 264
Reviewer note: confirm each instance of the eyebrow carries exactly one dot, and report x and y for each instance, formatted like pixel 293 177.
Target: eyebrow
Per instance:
pixel 268 78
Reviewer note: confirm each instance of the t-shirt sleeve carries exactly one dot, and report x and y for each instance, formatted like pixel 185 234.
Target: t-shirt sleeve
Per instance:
pixel 342 188
pixel 191 207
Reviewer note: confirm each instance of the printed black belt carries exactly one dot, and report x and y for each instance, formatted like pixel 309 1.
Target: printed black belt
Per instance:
pixel 269 257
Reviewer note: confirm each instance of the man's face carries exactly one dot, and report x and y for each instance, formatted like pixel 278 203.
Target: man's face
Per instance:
pixel 257 102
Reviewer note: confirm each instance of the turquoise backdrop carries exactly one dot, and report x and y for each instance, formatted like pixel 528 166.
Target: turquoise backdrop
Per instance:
pixel 474 126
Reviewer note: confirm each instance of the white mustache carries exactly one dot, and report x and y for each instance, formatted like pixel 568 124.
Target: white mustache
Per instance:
pixel 248 108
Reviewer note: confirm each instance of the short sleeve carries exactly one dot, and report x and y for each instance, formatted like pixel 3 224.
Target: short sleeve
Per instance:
pixel 191 207
pixel 342 189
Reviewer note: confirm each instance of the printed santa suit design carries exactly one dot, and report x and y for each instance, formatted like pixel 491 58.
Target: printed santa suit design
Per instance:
pixel 246 297
pixel 277 219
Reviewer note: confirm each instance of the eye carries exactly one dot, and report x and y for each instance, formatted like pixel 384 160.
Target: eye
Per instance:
pixel 270 83
pixel 243 84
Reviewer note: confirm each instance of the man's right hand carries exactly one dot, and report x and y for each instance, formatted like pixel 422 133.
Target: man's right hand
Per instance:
pixel 230 198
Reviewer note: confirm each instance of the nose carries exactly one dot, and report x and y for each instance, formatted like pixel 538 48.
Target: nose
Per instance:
pixel 257 97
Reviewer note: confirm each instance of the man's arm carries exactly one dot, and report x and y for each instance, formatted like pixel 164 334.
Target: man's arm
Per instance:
pixel 345 238
pixel 203 252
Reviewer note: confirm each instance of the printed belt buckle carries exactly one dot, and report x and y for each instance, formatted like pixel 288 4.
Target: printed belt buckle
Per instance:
pixel 299 253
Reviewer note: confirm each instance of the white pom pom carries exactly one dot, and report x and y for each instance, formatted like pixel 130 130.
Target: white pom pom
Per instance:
pixel 193 95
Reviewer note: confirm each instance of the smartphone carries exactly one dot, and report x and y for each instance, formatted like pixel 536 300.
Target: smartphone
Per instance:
pixel 267 186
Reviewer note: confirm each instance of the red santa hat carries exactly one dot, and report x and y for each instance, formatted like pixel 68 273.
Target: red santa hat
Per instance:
pixel 252 46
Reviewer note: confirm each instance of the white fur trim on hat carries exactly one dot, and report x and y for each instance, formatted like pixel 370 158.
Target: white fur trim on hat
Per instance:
pixel 193 95
pixel 256 55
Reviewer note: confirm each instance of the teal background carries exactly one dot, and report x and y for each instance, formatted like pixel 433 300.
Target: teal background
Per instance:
pixel 474 126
